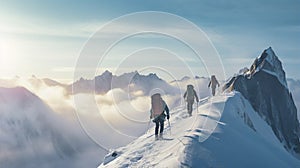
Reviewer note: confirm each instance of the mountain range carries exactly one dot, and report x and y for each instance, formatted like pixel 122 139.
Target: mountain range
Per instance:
pixel 253 123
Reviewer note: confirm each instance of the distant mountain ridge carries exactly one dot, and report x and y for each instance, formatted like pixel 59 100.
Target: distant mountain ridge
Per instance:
pixel 128 81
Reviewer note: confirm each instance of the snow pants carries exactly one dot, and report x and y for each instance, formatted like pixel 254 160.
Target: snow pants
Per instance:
pixel 157 124
pixel 190 107
pixel 213 91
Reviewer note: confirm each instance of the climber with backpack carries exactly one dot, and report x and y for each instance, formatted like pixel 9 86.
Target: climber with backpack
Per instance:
pixel 213 84
pixel 157 113
pixel 190 96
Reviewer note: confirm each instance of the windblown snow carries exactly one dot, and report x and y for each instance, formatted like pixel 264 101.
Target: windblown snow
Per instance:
pixel 224 131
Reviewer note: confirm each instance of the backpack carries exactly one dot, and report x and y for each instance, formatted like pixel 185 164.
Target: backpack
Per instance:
pixel 190 93
pixel 157 105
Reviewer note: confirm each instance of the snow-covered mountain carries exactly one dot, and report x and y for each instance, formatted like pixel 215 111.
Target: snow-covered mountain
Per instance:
pixel 130 82
pixel 253 125
pixel 265 86
pixel 32 135
pixel 224 131
pixel 252 128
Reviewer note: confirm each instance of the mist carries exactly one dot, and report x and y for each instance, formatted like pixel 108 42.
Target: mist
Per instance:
pixel 86 125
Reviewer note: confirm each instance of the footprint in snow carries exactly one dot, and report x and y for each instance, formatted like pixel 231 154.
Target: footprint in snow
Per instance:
pixel 135 159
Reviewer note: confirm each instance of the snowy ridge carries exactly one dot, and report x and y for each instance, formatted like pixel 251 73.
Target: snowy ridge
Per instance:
pixel 203 140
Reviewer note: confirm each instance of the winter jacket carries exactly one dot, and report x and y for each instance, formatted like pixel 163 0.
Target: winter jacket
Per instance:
pixel 213 82
pixel 191 98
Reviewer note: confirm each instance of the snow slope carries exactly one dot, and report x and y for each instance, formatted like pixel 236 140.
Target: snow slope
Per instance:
pixel 239 139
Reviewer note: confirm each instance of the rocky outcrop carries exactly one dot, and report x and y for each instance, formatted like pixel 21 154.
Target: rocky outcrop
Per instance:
pixel 265 86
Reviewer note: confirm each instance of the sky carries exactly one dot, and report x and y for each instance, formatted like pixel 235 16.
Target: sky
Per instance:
pixel 46 38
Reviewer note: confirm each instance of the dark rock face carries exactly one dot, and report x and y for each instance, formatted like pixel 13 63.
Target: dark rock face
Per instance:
pixel 265 88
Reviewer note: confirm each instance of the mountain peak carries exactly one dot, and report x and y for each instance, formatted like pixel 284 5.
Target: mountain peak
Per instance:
pixel 153 75
pixel 271 54
pixel 269 63
pixel 265 87
pixel 106 73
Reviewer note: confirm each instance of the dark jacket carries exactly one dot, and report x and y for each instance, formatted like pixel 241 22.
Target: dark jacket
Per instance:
pixel 191 99
pixel 213 82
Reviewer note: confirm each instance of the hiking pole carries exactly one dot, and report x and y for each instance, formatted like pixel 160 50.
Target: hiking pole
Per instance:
pixel 169 126
pixel 148 126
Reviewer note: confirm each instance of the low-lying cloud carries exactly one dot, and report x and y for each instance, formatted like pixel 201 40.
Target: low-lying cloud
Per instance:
pixel 94 123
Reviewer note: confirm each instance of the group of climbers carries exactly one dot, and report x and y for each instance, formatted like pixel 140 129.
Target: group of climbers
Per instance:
pixel 160 110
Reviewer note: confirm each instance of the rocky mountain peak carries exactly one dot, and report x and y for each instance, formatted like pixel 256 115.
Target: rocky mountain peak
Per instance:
pixel 265 87
pixel 269 63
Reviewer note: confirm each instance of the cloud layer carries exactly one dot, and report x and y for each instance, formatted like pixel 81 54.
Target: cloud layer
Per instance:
pixel 87 127
pixel 62 133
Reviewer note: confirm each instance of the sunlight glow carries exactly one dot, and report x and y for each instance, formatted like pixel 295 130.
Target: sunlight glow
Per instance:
pixel 8 66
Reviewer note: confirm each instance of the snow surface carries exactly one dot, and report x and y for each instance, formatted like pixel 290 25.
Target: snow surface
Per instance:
pixel 205 141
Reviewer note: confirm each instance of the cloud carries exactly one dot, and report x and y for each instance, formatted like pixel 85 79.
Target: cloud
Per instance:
pixel 129 109
pixel 32 135
pixel 82 141
pixel 118 114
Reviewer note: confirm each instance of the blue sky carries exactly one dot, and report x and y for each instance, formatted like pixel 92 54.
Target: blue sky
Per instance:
pixel 45 37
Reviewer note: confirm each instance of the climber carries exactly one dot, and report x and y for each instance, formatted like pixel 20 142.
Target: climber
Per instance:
pixel 157 113
pixel 213 84
pixel 189 96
